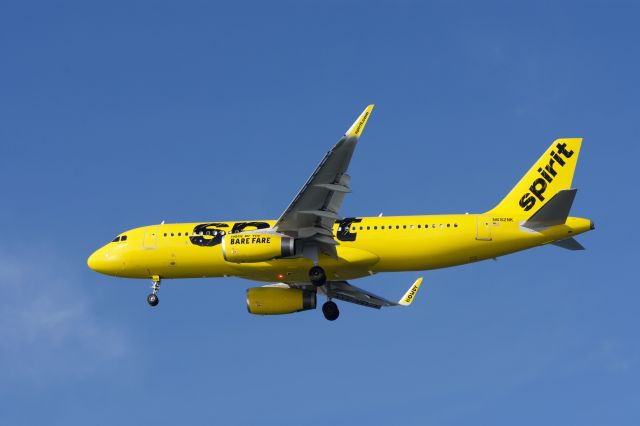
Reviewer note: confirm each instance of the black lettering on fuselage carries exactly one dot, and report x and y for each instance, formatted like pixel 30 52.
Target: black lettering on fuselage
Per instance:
pixel 345 227
pixel 212 233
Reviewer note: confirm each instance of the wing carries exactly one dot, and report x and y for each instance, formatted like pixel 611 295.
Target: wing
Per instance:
pixel 314 210
pixel 346 292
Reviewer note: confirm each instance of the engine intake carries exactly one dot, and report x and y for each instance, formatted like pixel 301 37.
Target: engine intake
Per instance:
pixel 278 300
pixel 247 248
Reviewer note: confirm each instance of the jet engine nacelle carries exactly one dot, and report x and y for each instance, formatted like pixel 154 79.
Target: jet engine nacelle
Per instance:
pixel 246 248
pixel 279 300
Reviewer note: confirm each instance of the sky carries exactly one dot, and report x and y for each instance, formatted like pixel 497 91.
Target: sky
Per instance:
pixel 115 115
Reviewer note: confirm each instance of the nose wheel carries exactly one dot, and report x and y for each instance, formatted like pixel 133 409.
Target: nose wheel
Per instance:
pixel 153 299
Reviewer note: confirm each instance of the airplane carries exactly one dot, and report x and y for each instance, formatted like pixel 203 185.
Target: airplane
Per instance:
pixel 312 250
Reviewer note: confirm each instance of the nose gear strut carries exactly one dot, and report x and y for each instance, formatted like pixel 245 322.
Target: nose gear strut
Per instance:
pixel 152 299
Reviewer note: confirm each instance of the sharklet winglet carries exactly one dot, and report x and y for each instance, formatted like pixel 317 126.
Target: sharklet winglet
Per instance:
pixel 358 126
pixel 408 297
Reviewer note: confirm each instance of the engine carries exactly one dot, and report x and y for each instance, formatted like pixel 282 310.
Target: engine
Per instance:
pixel 279 300
pixel 246 248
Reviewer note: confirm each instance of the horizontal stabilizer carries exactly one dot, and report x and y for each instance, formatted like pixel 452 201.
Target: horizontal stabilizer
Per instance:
pixel 569 244
pixel 555 212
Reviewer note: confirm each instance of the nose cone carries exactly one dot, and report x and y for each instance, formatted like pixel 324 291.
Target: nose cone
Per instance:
pixel 104 262
pixel 93 262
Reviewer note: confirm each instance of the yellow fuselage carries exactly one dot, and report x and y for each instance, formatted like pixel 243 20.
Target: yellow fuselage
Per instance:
pixel 370 245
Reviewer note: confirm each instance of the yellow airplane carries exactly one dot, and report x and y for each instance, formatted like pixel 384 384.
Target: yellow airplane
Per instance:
pixel 311 250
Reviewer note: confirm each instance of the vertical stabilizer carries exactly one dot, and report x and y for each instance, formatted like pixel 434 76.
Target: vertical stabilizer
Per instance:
pixel 552 173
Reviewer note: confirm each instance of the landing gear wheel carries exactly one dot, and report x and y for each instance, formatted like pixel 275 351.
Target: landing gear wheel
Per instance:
pixel 152 299
pixel 317 276
pixel 330 311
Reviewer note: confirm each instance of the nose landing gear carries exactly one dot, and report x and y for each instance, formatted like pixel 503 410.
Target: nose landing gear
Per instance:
pixel 152 299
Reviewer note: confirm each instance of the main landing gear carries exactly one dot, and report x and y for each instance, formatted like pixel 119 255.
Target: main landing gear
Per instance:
pixel 330 310
pixel 317 276
pixel 152 299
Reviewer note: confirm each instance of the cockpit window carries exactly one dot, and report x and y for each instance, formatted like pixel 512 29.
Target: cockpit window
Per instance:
pixel 116 239
pixel 123 238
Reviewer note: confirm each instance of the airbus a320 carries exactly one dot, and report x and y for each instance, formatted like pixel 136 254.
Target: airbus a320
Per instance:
pixel 311 250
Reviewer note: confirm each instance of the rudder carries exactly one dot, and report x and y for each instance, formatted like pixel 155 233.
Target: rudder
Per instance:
pixel 552 173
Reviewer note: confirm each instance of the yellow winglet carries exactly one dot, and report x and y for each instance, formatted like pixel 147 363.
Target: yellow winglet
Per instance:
pixel 358 126
pixel 411 293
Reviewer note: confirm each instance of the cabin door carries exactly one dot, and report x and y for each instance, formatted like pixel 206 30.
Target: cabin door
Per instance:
pixel 150 238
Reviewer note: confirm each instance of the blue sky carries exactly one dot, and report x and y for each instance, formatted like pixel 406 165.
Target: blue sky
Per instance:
pixel 123 114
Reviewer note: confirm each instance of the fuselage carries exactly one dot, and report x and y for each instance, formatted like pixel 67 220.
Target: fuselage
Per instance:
pixel 365 246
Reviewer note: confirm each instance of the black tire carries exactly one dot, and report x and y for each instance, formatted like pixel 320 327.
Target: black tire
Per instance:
pixel 317 276
pixel 152 299
pixel 330 311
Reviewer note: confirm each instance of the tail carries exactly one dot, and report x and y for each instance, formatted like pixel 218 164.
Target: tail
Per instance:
pixel 552 173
